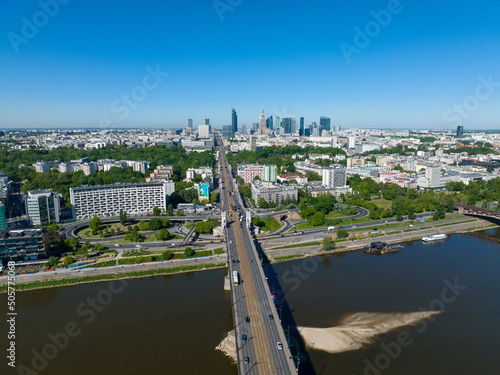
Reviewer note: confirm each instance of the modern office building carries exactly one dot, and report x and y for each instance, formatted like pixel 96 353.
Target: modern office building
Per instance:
pixel 227 131
pixel 190 123
pixel 301 126
pixel 324 124
pixel 21 244
pixel 272 192
pixel 337 128
pixel 270 173
pixel 286 124
pixel 108 200
pixel 234 121
pixel 460 131
pixel 204 131
pixel 269 123
pixel 432 176
pixel 43 207
pixel 207 121
pixel 3 215
pixel 334 176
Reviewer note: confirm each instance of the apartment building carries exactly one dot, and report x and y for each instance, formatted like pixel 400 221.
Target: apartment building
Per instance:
pixel 108 200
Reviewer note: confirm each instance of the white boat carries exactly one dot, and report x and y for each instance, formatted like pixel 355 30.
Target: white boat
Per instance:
pixel 434 237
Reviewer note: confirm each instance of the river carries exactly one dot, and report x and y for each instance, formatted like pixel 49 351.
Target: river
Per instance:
pixel 172 324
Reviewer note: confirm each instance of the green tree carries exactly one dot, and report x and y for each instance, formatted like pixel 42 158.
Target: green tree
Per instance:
pixel 258 222
pixel 180 213
pixel 163 235
pixel 342 233
pixel 73 242
pixel 95 224
pixel 123 217
pixel 53 228
pixel 328 243
pixel 156 211
pixel 188 252
pixel 68 260
pixel 52 262
pixel 213 197
pixel 98 247
pixel 411 213
pixel 170 210
pixel 318 219
pixel 167 255
pixel 86 246
pixel 262 203
pixel 144 225
pixel 155 224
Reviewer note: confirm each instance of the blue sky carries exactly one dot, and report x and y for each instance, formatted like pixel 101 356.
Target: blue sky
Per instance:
pixel 281 56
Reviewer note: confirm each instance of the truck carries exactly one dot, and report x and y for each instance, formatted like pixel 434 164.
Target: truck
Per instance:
pixel 331 228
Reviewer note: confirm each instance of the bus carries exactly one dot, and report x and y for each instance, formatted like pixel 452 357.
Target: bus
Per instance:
pixel 236 278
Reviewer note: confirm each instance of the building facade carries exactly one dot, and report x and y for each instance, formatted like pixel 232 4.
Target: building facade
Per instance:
pixel 334 176
pixel 21 244
pixel 108 200
pixel 273 193
pixel 42 207
pixel 270 173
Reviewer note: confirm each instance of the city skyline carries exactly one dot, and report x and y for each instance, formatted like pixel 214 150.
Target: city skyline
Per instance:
pixel 364 66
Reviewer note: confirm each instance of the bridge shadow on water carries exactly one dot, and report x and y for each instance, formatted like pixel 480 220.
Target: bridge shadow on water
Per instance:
pixel 297 346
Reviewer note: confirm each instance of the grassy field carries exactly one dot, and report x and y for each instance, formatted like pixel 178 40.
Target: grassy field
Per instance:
pixel 334 215
pixel 382 203
pixel 289 257
pixel 149 238
pixel 271 225
pixel 89 279
pixel 299 245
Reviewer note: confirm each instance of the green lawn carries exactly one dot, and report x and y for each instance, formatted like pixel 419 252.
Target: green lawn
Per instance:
pixel 289 257
pixel 299 245
pixel 382 203
pixel 271 225
pixel 334 215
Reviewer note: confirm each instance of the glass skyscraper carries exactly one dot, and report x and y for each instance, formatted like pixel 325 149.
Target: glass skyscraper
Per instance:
pixel 324 124
pixel 234 121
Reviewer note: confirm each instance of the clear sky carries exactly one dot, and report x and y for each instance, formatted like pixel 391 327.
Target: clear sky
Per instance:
pixel 291 58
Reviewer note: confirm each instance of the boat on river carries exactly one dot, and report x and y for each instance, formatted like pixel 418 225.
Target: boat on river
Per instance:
pixel 381 248
pixel 434 237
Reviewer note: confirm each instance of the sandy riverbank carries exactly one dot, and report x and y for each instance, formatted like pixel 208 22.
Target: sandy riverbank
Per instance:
pixel 358 330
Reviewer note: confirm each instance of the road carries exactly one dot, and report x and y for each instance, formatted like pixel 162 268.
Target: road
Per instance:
pixel 252 298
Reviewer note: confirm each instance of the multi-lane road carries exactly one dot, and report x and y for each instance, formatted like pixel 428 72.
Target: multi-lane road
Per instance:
pixel 265 347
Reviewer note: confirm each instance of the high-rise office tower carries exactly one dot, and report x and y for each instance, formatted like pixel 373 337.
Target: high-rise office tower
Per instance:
pixel 190 123
pixel 277 125
pixel 286 124
pixel 207 121
pixel 301 126
pixel 269 123
pixel 324 124
pixel 337 128
pixel 234 121
pixel 460 131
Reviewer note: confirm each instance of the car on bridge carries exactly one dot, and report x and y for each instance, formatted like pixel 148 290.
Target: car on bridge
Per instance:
pixel 247 360
pixel 243 337
pixel 280 345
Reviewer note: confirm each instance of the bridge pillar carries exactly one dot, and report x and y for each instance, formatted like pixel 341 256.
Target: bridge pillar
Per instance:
pixel 224 219
pixel 248 218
